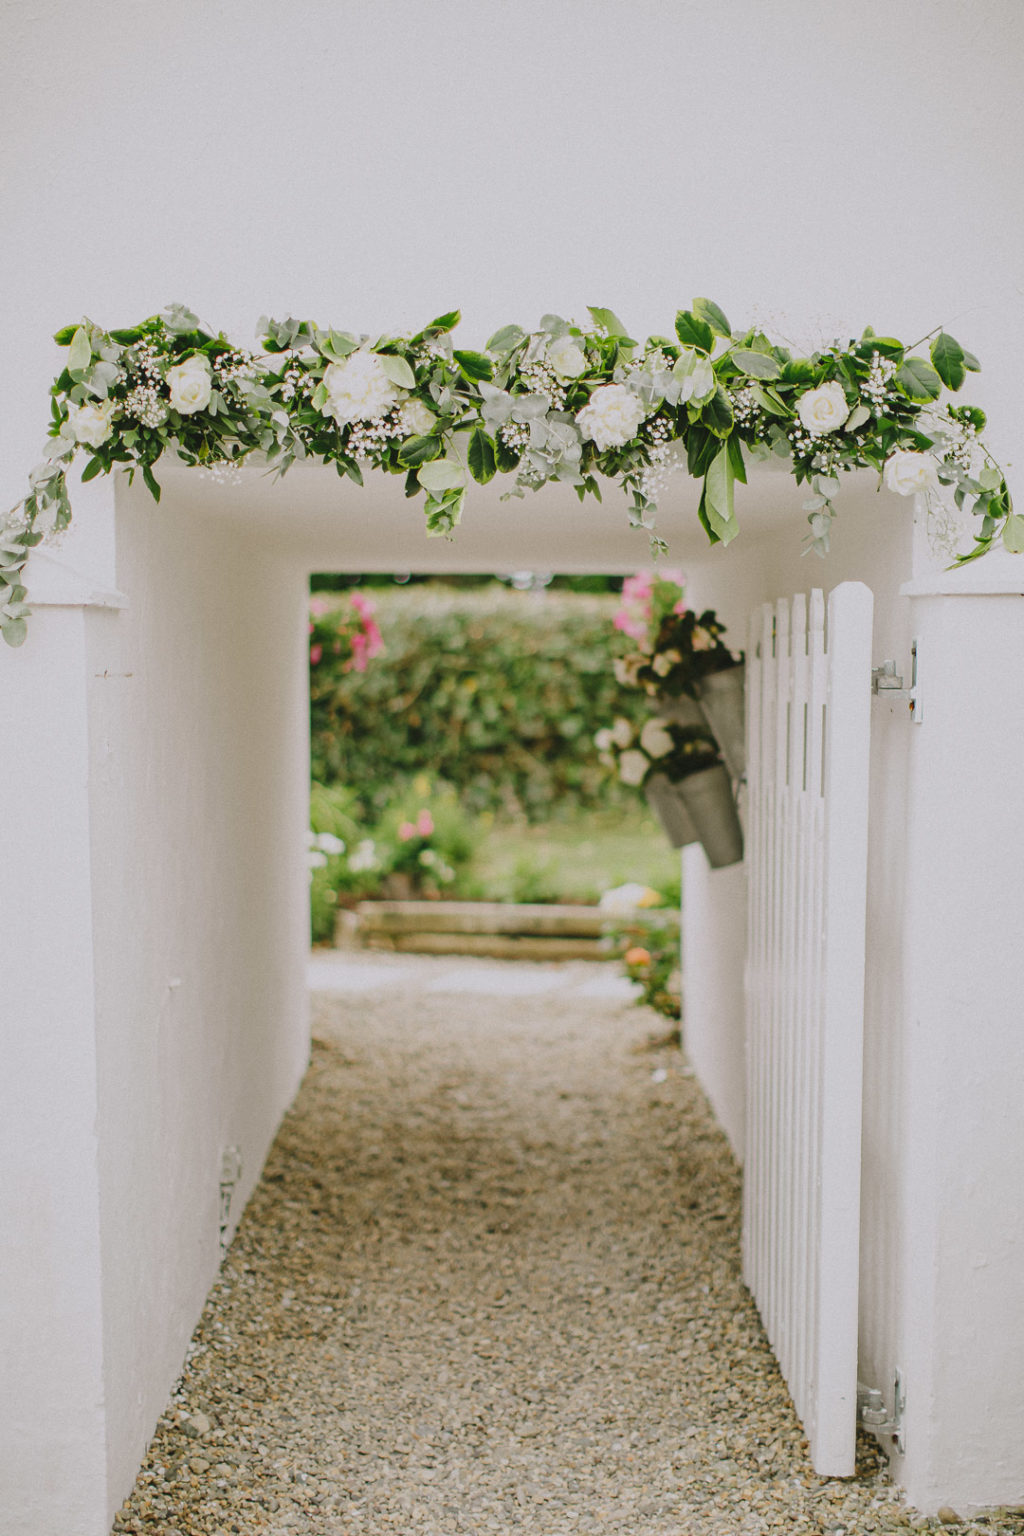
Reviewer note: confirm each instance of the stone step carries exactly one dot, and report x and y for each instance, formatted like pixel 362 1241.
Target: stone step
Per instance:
pixel 547 919
pixel 493 946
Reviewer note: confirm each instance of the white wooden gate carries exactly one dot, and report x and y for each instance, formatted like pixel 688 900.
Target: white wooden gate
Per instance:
pixel 808 723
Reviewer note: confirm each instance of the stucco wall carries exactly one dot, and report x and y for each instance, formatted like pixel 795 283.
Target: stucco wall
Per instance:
pixel 198 774
pixel 814 169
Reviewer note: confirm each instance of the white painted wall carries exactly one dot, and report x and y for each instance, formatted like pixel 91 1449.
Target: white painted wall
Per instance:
pixel 812 168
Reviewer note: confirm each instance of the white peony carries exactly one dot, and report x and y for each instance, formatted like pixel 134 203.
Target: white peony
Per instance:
pixel 823 409
pixel 907 472
pixel 611 416
pixel 655 739
pixel 190 385
pixel 566 358
pixel 93 422
pixel 633 766
pixel 417 419
pixel 622 732
pixel 358 389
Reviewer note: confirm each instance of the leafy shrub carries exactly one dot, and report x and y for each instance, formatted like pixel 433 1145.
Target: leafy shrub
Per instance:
pixel 496 692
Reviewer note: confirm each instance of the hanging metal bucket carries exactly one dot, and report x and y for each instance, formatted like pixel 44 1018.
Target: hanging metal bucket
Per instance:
pixel 680 710
pixel 709 802
pixel 722 699
pixel 669 807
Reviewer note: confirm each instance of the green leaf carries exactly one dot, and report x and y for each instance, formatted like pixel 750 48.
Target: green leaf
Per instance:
pixel 769 401
pixel 1013 534
pixel 64 335
pixel 441 475
pixel 735 448
pixel 446 322
pixel 151 483
pixel 611 322
pixel 445 515
pixel 482 457
pixel 80 352
pixel 693 332
pixel 718 497
pixel 475 365
pixel 92 469
pixel 14 631
pixel 506 339
pixel 397 370
pixel 971 363
pixel 717 414
pixel 918 380
pixel 948 357
pixel 419 450
pixel 708 311
pixel 337 346
pixel 756 365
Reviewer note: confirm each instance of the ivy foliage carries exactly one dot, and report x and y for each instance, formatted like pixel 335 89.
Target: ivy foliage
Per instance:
pixel 499 693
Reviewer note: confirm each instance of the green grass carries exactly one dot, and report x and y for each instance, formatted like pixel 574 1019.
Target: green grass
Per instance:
pixel 572 858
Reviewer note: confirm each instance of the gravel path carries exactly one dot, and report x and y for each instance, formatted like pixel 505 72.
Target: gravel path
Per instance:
pixel 490 1282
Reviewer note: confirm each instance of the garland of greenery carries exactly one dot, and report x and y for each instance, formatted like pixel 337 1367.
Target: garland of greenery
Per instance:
pixel 564 402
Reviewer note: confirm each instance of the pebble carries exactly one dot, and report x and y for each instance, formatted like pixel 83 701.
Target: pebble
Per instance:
pixel 490 1283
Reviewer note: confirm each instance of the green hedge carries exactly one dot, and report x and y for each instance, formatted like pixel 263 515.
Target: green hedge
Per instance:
pixel 497 692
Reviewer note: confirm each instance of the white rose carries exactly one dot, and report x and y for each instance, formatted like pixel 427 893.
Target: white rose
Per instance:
pixel 190 385
pixel 611 416
pixel 566 358
pixel 358 389
pixel 622 732
pixel 823 409
pixel 417 419
pixel 907 472
pixel 623 899
pixel 655 739
pixel 93 422
pixel 633 766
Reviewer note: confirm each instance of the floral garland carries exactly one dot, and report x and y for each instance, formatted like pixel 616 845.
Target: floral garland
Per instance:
pixel 565 402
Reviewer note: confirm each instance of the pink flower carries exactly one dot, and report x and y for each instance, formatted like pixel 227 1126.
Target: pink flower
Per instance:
pixel 318 606
pixel 364 606
pixel 315 653
pixel 374 639
pixel 406 832
pixel 424 823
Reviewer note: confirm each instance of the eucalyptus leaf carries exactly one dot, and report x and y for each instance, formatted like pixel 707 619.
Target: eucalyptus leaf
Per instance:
pixel 397 370
pixel 507 339
pixel 80 351
pixel 756 365
pixel 990 478
pixel 1013 534
pixel 441 475
pixel 14 631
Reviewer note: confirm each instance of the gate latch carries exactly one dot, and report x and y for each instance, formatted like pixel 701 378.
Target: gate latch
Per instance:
pixel 887 683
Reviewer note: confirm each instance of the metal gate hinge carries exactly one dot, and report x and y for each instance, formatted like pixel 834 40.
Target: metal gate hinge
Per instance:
pixel 873 1414
pixel 888 683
